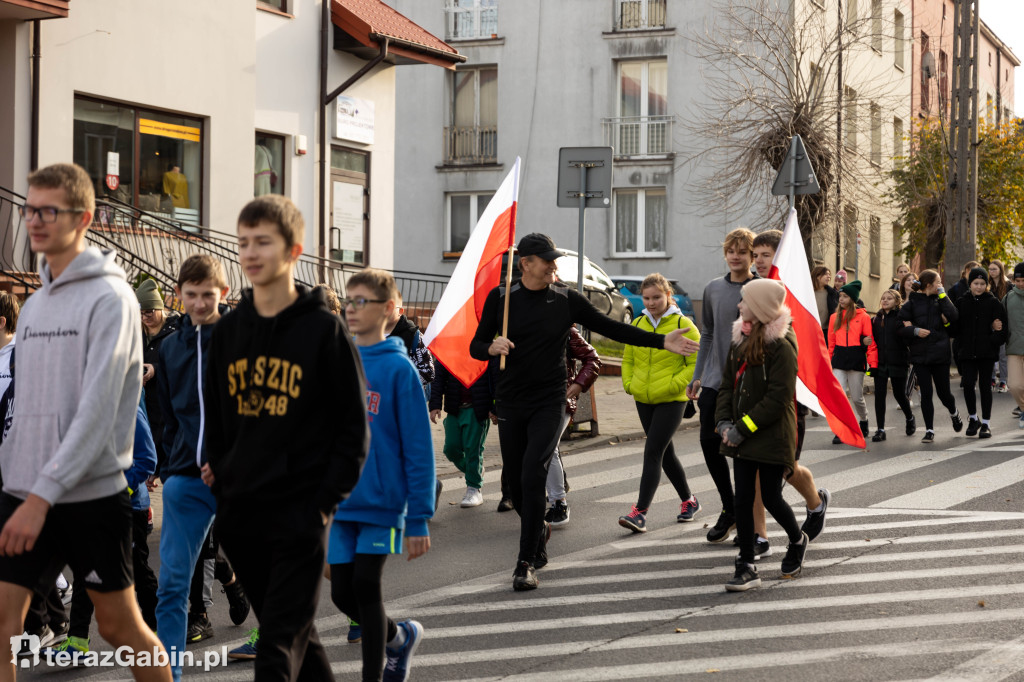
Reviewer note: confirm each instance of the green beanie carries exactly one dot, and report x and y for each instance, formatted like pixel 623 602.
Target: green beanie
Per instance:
pixel 149 296
pixel 852 290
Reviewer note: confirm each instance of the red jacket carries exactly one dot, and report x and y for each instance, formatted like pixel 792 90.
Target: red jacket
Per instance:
pixel 845 346
pixel 578 349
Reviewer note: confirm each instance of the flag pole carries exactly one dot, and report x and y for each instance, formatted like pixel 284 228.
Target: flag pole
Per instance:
pixel 508 293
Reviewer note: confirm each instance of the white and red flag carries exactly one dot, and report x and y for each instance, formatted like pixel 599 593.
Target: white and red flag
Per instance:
pixel 816 386
pixel 478 271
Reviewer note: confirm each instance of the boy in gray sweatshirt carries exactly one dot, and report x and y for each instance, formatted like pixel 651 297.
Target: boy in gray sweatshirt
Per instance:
pixel 63 462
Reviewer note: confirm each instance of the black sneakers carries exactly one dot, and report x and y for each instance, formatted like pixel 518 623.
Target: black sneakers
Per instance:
pixel 972 427
pixel 793 562
pixel 864 428
pixel 524 578
pixel 878 437
pixel 911 425
pixel 746 578
pixel 929 436
pixel 725 525
pixel 958 423
pixel 837 440
pixel 505 505
pixel 558 514
pixel 762 548
pixel 815 521
pixel 238 603
pixel 984 432
pixel 199 628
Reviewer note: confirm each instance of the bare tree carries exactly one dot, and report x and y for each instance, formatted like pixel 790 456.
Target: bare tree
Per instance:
pixel 776 68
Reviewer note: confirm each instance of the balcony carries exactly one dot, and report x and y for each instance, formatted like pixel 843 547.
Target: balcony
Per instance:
pixel 639 136
pixel 470 145
pixel 639 15
pixel 471 19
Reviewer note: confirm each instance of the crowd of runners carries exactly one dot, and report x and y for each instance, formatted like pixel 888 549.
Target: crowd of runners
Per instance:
pixel 289 431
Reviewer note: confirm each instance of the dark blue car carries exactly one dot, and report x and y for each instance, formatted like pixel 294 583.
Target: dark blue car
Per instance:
pixel 629 286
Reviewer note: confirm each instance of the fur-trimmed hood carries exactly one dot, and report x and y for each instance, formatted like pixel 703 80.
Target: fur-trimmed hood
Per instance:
pixel 774 331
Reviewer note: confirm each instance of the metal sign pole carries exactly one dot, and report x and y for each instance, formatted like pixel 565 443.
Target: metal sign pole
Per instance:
pixel 583 220
pixel 792 173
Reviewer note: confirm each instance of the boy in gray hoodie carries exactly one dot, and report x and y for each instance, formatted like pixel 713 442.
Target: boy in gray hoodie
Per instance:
pixel 63 462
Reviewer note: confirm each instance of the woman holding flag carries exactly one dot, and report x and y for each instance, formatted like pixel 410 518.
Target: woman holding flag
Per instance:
pixel 530 396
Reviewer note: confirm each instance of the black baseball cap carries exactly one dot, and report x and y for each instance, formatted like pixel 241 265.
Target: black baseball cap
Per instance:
pixel 536 244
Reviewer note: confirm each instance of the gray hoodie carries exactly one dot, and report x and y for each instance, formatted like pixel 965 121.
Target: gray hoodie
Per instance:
pixel 1014 303
pixel 721 297
pixel 79 381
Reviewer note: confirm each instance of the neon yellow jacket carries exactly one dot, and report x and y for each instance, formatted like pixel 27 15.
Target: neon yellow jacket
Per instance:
pixel 652 375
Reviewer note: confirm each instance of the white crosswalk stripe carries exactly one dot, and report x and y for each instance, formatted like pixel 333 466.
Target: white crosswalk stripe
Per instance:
pixel 880 590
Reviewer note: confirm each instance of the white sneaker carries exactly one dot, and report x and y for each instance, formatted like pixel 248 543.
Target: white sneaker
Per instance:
pixel 472 498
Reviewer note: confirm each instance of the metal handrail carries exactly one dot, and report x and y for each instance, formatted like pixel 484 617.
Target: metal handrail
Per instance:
pixel 639 135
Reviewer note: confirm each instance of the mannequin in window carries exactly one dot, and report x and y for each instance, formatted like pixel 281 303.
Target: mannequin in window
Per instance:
pixel 176 186
pixel 263 173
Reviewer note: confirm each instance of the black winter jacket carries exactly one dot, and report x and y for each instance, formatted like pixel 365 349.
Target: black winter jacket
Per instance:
pixel 925 312
pixel 893 354
pixel 446 390
pixel 975 338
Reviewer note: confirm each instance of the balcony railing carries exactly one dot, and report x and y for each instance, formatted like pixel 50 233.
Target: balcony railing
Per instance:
pixel 639 135
pixel 469 19
pixel 638 15
pixel 470 145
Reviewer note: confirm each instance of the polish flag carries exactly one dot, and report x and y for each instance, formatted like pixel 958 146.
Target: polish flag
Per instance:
pixel 478 271
pixel 816 386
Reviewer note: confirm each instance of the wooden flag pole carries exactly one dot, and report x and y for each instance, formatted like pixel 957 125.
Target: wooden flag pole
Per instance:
pixel 508 293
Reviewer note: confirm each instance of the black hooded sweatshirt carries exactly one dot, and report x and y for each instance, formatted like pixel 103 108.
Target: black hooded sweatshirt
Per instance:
pixel 285 406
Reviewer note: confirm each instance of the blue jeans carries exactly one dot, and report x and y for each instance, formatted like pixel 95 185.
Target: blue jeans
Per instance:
pixel 189 507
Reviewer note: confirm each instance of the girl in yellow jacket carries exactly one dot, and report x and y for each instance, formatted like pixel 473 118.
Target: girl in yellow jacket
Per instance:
pixel 657 380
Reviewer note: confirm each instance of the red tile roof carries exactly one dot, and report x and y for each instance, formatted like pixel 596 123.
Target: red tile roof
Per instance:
pixel 364 19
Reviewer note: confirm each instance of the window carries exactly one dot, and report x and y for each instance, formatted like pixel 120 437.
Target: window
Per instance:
pixel 468 19
pixel 350 206
pixel 158 156
pixel 875 259
pixel 462 211
pixel 632 15
pixel 876 26
pixel 641 218
pixel 899 46
pixel 268 171
pixel 850 118
pixel 851 11
pixel 988 109
pixel 876 134
pixel 897 142
pixel 926 93
pixel 472 137
pixel 943 75
pixel 850 238
pixel 990 59
pixel 643 126
pixel 279 5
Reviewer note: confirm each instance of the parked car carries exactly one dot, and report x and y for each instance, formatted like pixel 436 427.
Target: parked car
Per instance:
pixel 600 289
pixel 629 286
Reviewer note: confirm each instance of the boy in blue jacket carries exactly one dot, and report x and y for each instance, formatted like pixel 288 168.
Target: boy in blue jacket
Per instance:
pixel 189 506
pixel 395 494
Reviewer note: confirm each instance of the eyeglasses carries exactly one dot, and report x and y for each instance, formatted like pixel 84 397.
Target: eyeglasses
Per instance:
pixel 47 214
pixel 359 302
pixel 148 312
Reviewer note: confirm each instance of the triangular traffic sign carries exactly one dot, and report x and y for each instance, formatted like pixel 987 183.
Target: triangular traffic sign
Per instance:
pixel 806 181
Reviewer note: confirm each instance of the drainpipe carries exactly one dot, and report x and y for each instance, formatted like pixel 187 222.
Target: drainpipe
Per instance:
pixel 324 100
pixel 36 58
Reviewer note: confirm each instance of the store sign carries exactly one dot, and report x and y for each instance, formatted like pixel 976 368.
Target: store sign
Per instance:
pixel 150 127
pixel 353 119
pixel 113 170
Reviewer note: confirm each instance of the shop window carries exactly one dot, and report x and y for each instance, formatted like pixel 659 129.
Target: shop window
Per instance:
pixel 157 157
pixel 268 171
pixel 462 211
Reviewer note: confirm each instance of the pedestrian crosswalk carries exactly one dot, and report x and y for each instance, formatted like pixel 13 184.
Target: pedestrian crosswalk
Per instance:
pixel 918 576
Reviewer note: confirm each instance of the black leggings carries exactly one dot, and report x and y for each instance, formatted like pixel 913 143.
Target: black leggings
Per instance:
pixel 525 434
pixel 771 475
pixel 660 423
pixel 939 375
pixel 355 589
pixel 882 379
pixel 971 371
pixel 710 442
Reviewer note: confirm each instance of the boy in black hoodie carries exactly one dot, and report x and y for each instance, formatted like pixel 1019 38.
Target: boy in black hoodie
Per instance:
pixel 286 437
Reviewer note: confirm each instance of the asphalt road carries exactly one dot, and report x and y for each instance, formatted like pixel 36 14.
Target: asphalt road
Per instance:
pixel 917 576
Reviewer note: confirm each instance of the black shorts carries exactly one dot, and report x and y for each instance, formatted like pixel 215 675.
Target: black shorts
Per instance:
pixel 94 538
